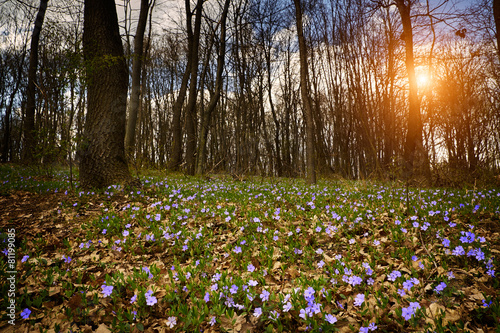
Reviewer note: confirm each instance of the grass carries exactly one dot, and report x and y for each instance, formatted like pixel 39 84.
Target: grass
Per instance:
pixel 188 255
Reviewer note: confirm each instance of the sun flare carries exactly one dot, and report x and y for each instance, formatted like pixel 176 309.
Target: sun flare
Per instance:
pixel 422 79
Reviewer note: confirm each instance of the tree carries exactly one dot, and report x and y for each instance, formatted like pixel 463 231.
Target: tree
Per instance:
pixel 103 159
pixel 136 77
pixel 414 147
pixel 306 98
pixel 29 121
pixel 496 17
pixel 214 98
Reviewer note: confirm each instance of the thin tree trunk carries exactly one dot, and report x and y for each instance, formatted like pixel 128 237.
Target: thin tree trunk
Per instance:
pixel 414 147
pixel 214 100
pixel 29 121
pixel 306 98
pixel 191 117
pixel 496 17
pixel 136 78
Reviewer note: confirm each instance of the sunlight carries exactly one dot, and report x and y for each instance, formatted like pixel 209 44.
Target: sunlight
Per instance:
pixel 422 79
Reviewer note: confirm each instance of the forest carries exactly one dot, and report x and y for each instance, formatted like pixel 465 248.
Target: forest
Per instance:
pixel 217 88
pixel 249 166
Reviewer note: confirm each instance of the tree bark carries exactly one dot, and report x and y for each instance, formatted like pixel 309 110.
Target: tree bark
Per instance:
pixel 306 98
pixel 414 147
pixel 191 117
pixel 214 100
pixel 103 161
pixel 496 17
pixel 136 77
pixel 29 120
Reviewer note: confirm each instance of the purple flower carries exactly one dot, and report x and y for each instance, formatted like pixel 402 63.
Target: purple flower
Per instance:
pixel 309 293
pixel 250 268
pixel 150 299
pixel 287 307
pixel 407 313
pixel 206 298
pixel 394 275
pixel 257 312
pixel 372 327
pixel 171 322
pixel 107 290
pixel 360 298
pixel 212 321
pixel 25 313
pixel 234 289
pixel 459 251
pixel 331 319
pixel 264 295
pixel 440 287
pixel 26 257
pixel 133 299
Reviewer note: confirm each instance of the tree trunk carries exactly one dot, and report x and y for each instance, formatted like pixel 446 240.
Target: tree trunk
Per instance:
pixel 214 100
pixel 414 147
pixel 496 17
pixel 103 161
pixel 193 89
pixel 306 98
pixel 136 78
pixel 29 121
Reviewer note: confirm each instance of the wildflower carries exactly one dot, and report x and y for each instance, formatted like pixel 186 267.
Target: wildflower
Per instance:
pixel 250 268
pixel 407 313
pixel 206 298
pixel 133 299
pixel 257 312
pixel 26 257
pixel 331 319
pixel 458 251
pixel 321 264
pixel 376 242
pixel 274 315
pixel 234 289
pixel 309 293
pixel 107 290
pixel 372 327
pixel 485 304
pixel 212 321
pixel 364 329
pixel 150 300
pixel 171 322
pixel 401 292
pixel 287 307
pixel 360 298
pixel 125 233
pixel 253 283
pixel 394 275
pixel 237 249
pixel 440 287
pixel 25 313
pixel 264 295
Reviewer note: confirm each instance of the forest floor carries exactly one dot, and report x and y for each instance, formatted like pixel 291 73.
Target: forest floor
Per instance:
pixel 187 254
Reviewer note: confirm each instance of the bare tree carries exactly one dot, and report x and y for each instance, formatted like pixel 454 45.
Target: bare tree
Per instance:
pixel 29 121
pixel 306 98
pixel 136 76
